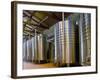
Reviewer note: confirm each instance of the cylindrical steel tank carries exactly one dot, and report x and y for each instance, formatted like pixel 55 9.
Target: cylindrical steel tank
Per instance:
pixel 24 50
pixel 85 39
pixel 33 48
pixel 40 47
pixel 64 43
pixel 29 50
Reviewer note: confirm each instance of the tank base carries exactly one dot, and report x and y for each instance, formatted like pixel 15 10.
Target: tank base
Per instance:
pixel 40 61
pixel 67 65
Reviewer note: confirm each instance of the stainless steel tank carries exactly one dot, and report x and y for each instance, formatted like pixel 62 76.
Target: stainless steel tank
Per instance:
pixel 29 50
pixel 64 43
pixel 85 39
pixel 33 48
pixel 40 47
pixel 24 50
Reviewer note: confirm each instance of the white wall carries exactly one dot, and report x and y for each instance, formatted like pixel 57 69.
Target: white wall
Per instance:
pixel 5 40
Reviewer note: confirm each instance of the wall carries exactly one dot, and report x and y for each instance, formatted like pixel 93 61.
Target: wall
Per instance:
pixel 5 40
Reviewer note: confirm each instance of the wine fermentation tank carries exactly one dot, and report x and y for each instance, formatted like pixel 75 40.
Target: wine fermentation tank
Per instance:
pixel 33 49
pixel 85 39
pixel 64 43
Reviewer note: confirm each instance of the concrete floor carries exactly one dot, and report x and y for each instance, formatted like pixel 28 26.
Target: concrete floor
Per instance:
pixel 29 65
